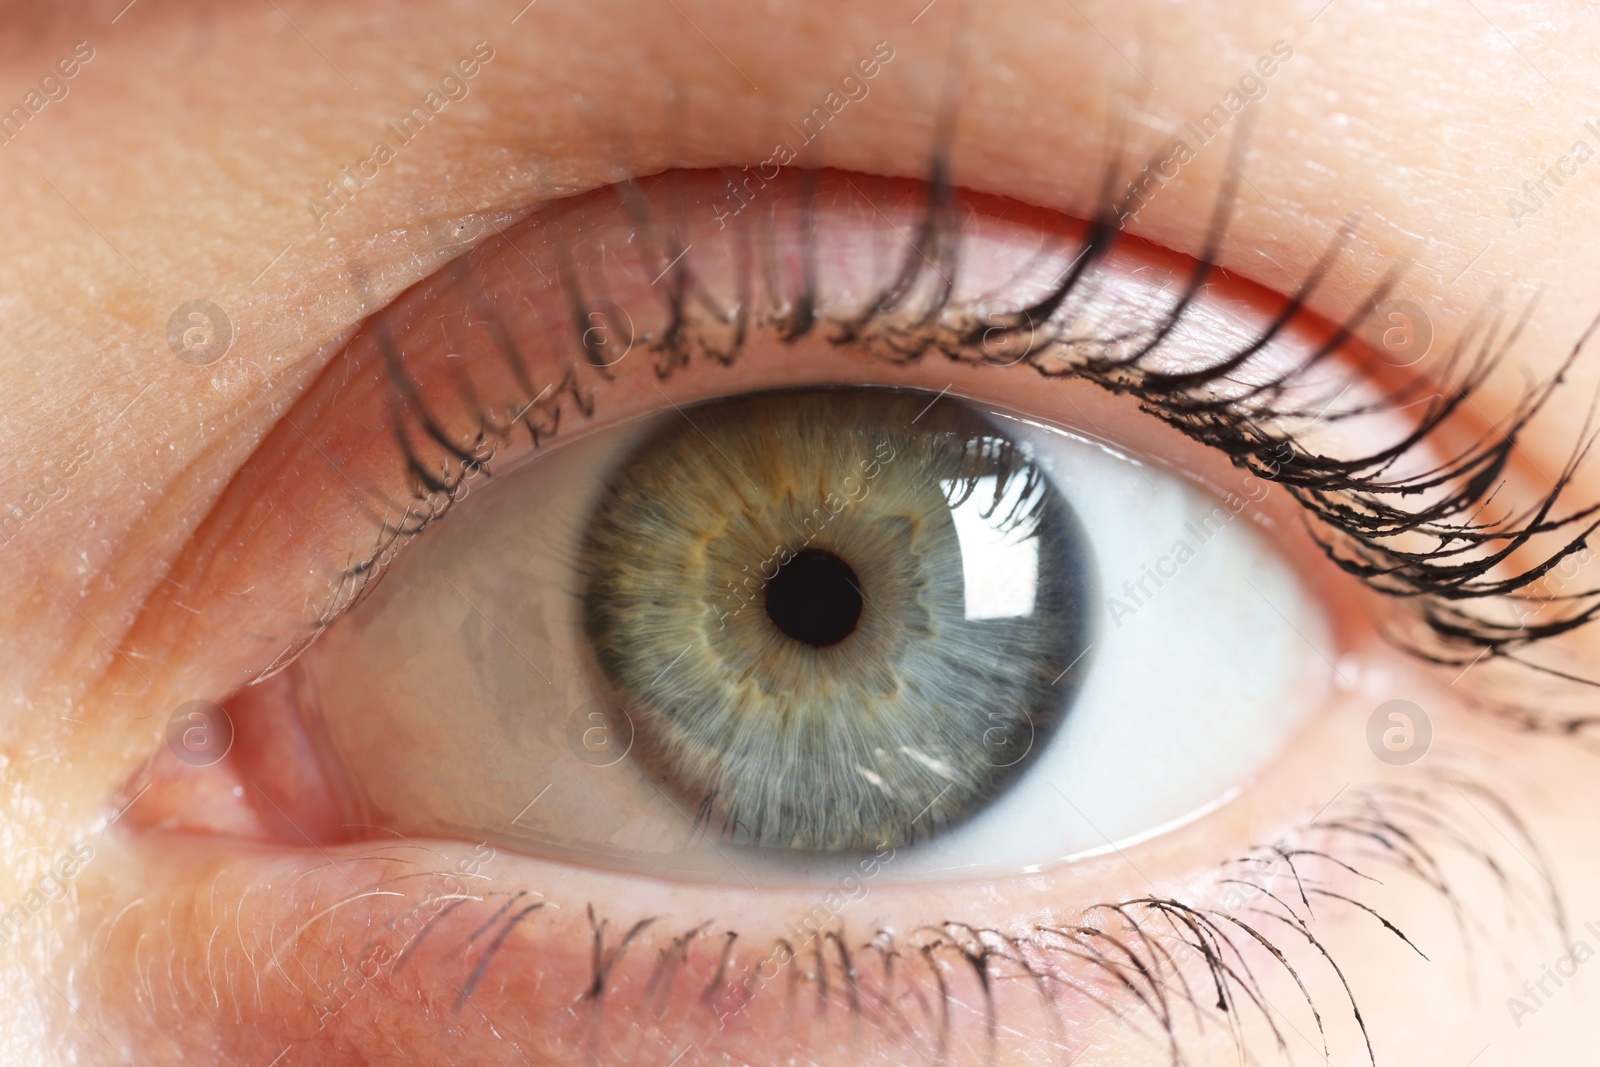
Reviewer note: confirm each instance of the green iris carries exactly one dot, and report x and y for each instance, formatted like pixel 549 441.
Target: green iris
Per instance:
pixel 837 619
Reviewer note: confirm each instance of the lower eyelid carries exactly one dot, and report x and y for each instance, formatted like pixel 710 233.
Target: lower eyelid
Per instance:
pixel 369 950
pixel 333 951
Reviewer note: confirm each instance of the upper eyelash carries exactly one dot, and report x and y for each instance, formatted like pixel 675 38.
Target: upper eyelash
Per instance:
pixel 1354 509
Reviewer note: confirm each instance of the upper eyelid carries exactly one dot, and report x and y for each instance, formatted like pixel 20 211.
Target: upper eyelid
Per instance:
pixel 1495 342
pixel 789 312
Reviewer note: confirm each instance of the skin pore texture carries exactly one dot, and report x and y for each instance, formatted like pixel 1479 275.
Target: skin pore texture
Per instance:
pixel 181 165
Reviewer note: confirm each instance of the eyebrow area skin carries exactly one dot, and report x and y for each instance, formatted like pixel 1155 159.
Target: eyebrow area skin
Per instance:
pixel 183 161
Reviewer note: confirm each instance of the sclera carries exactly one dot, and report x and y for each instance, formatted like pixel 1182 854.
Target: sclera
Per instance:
pixel 462 698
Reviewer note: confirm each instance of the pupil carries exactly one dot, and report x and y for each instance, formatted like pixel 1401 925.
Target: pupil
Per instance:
pixel 815 598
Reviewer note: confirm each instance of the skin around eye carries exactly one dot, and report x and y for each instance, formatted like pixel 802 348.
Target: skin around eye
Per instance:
pixel 178 165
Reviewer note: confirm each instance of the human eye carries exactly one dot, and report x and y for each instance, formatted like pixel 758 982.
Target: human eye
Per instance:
pixel 832 621
pixel 1003 627
pixel 1190 663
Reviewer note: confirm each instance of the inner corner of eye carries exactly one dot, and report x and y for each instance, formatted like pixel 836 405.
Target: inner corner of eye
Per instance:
pixel 748 638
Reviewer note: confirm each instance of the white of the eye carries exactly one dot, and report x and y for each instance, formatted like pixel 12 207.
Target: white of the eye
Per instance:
pixel 458 691
pixel 1203 665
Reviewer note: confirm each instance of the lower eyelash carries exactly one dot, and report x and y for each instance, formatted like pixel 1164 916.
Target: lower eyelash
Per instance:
pixel 1179 970
pixel 1173 971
